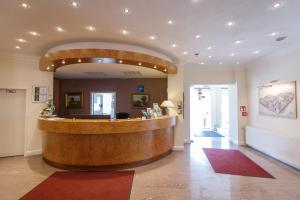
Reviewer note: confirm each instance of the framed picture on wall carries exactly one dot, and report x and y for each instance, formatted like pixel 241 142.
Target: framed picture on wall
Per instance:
pixel 39 94
pixel 140 100
pixel 74 100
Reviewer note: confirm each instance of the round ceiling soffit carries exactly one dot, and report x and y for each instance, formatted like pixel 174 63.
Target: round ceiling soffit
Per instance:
pixel 54 60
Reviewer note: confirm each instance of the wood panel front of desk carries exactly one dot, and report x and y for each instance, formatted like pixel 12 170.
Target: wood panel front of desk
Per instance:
pixel 105 144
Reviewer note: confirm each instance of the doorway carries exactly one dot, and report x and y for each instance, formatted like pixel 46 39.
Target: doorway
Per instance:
pixel 103 103
pixel 12 122
pixel 209 111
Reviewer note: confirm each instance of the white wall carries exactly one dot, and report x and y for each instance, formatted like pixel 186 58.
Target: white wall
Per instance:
pixel 278 137
pixel 284 67
pixel 175 94
pixel 22 72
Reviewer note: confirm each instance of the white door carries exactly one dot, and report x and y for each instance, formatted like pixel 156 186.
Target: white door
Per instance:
pixel 12 122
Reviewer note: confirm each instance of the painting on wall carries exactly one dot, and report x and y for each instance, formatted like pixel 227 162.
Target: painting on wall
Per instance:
pixel 74 100
pixel 140 100
pixel 278 100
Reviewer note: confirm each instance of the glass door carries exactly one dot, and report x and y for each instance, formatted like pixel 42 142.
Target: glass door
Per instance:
pixel 103 103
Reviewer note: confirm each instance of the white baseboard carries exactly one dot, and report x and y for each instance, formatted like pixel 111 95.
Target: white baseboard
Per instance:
pixel 178 148
pixel 33 152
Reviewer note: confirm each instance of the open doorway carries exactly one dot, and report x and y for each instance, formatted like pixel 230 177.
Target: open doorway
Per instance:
pixel 209 111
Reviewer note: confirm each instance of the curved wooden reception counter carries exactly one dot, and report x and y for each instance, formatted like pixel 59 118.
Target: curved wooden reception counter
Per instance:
pixel 85 143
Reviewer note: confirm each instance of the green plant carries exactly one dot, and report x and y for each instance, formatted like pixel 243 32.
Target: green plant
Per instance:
pixel 49 109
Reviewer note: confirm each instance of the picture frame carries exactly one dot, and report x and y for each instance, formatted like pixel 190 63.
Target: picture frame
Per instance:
pixel 39 94
pixel 140 100
pixel 73 100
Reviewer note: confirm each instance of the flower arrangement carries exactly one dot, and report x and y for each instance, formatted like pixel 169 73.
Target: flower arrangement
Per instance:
pixel 48 110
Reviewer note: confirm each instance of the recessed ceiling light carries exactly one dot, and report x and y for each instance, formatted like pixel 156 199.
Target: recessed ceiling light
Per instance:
pixel 238 42
pixel 59 29
pixel 171 22
pixel 17 47
pixel 154 66
pixel 209 48
pixel 238 63
pixel 202 63
pixel 90 28
pixel 185 53
pixel 120 61
pixel 79 60
pixel 139 63
pixel 63 62
pixel 256 52
pixel 124 32
pixel 74 4
pixel 277 5
pixel 34 33
pixel 48 68
pixel 274 34
pixel 197 36
pixel 220 63
pixel 165 70
pixel 126 10
pixel 52 65
pixel 232 54
pixel 24 5
pixel 209 56
pixel 174 45
pixel 21 40
pixel 152 37
pixel 230 23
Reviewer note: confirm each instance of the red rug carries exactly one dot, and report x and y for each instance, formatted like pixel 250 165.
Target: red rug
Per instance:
pixel 84 186
pixel 228 161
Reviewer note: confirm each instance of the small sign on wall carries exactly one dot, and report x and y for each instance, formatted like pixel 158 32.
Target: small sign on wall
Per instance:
pixel 140 88
pixel 39 94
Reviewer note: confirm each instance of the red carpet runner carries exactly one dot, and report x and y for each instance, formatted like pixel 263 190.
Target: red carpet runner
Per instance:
pixel 84 186
pixel 234 162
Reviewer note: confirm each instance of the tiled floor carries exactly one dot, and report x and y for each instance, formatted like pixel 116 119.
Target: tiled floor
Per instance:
pixel 180 176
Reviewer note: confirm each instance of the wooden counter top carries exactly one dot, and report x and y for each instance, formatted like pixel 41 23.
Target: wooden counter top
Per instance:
pixel 103 126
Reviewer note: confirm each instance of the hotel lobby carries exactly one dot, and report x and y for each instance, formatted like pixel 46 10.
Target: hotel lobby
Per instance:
pixel 161 100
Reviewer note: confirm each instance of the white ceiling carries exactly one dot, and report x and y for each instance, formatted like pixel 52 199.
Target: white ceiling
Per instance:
pixel 105 70
pixel 254 20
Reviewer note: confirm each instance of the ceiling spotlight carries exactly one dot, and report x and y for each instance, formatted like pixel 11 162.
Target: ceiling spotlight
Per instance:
pixel 90 28
pixel 17 47
pixel 276 5
pixel 52 65
pixel 33 33
pixel 121 61
pixel 99 61
pixel 174 45
pixel 24 5
pixel 155 67
pixel 59 29
pixel 170 22
pixel 48 68
pixel 126 11
pixel 256 52
pixel 232 54
pixel 197 36
pixel 273 34
pixel 209 48
pixel 139 63
pixel 165 70
pixel 124 32
pixel 74 4
pixel 220 63
pixel 230 23
pixel 79 60
pixel 238 42
pixel 63 62
pixel 202 63
pixel 21 40
pixel 152 37
pixel 238 63
pixel 209 56
pixel 185 53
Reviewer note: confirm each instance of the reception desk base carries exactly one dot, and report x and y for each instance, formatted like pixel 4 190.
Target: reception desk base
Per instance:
pixel 102 149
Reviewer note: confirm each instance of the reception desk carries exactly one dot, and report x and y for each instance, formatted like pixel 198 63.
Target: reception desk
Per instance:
pixel 88 143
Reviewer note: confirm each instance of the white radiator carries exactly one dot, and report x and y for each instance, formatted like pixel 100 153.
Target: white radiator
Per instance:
pixel 275 145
